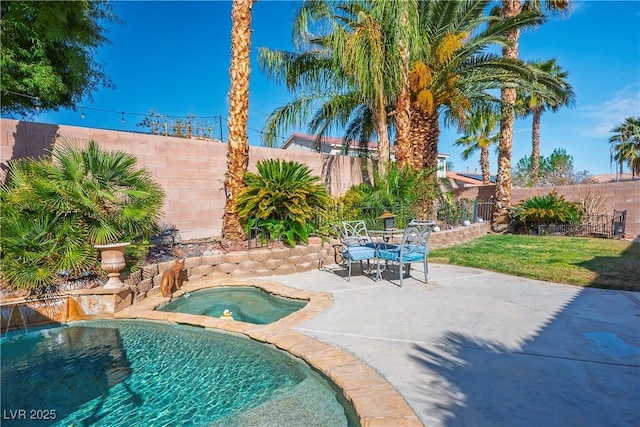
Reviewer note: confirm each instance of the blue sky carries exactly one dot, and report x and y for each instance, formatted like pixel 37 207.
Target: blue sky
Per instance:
pixel 174 57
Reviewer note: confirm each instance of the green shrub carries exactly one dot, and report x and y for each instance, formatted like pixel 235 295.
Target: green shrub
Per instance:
pixel 55 209
pixel 403 191
pixel 548 209
pixel 283 199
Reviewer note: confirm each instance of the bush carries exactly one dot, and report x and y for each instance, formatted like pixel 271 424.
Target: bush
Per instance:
pixel 546 210
pixel 55 209
pixel 281 199
pixel 404 192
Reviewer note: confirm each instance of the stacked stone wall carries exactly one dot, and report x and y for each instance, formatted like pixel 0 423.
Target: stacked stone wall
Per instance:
pixel 252 263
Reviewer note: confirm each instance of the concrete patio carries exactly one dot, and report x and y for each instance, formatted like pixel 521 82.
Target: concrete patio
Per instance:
pixel 476 348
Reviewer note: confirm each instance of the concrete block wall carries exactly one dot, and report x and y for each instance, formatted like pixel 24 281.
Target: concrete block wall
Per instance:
pixel 623 195
pixel 190 171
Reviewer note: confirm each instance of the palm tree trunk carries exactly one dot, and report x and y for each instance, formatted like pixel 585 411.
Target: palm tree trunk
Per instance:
pixel 502 197
pixel 403 104
pixel 424 135
pixel 430 160
pixel 403 128
pixel 535 147
pixel 238 146
pixel 417 136
pixel 484 165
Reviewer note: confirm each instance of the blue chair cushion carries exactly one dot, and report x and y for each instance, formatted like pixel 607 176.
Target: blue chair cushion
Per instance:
pixel 410 254
pixel 359 252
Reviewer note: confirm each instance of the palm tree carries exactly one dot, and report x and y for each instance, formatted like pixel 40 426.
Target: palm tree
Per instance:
pixel 536 99
pixel 453 71
pixel 480 132
pixel 238 148
pixel 625 144
pixel 502 197
pixel 350 72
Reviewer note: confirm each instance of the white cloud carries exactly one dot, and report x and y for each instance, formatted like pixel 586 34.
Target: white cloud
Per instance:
pixel 600 119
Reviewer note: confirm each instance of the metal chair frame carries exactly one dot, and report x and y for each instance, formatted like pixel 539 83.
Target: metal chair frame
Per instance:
pixel 357 245
pixel 413 248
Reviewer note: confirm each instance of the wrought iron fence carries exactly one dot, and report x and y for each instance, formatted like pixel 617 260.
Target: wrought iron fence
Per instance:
pixel 446 213
pixel 602 225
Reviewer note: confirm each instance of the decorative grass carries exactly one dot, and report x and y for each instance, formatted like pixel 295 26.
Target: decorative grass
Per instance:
pixel 601 263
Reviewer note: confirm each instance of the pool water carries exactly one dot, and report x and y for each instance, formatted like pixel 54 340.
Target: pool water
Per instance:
pixel 128 373
pixel 246 303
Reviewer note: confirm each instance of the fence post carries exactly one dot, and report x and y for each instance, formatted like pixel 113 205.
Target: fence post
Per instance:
pixel 475 209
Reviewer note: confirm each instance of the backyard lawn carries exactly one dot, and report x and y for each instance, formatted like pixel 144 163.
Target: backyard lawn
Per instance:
pixel 601 263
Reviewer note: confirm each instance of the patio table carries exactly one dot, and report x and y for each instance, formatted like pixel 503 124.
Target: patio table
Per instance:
pixel 386 235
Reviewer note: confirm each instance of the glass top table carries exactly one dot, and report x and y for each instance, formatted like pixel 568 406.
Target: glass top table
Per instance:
pixel 386 235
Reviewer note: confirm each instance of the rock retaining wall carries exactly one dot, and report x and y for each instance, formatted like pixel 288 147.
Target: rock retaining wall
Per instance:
pixel 272 261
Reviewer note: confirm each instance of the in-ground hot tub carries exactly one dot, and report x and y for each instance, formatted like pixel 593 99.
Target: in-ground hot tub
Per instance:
pixel 246 304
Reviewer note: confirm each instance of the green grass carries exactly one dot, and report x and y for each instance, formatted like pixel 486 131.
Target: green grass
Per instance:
pixel 601 263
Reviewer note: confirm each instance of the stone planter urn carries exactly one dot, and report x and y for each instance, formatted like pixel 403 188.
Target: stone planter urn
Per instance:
pixel 112 261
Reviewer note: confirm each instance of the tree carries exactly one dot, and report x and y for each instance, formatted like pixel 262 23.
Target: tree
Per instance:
pixel 453 71
pixel 347 75
pixel 47 53
pixel 555 170
pixel 55 209
pixel 238 145
pixel 536 98
pixel 502 197
pixel 481 133
pixel 625 144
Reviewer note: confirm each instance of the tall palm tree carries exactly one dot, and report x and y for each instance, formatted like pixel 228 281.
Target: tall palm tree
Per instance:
pixel 625 144
pixel 350 71
pixel 536 99
pixel 238 146
pixel 480 130
pixel 502 197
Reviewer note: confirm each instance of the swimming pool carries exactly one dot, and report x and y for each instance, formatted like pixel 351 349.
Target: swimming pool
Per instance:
pixel 126 372
pixel 246 303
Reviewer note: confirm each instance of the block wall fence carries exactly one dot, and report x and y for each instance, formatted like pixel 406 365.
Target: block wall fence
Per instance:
pixel 623 195
pixel 192 172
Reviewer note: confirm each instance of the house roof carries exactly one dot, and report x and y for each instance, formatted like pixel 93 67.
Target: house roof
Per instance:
pixel 468 178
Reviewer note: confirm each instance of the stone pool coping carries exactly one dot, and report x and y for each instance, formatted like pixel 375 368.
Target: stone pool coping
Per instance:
pixel 376 402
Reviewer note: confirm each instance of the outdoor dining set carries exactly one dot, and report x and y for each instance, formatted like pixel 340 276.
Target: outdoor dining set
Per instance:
pixel 358 246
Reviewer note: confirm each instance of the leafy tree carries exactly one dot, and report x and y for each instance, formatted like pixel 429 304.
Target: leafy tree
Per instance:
pixel 534 99
pixel 452 69
pixel 555 170
pixel 55 209
pixel 502 197
pixel 283 197
pixel 47 53
pixel 238 145
pixel 625 144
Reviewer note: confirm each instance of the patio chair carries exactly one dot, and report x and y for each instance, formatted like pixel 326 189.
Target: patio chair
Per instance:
pixel 414 248
pixel 357 245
